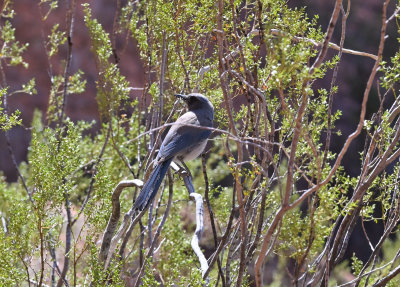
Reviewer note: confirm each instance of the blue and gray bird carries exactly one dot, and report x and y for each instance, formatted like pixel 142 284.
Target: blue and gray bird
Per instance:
pixel 183 142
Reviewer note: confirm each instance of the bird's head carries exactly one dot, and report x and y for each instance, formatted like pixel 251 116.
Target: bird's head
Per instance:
pixel 196 101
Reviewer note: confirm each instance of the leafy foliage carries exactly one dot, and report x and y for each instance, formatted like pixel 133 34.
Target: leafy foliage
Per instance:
pixel 7 121
pixel 272 179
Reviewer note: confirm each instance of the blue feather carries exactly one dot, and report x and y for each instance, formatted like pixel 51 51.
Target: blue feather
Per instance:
pixel 152 185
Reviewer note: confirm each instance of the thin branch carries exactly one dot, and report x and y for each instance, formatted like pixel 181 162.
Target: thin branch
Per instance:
pixel 95 167
pixel 328 36
pixel 211 214
pixel 164 58
pixel 223 240
pixel 70 29
pixel 68 232
pixel 345 15
pixel 394 15
pixel 330 45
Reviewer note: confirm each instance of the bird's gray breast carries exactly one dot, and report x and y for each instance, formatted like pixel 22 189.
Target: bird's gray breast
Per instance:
pixel 192 152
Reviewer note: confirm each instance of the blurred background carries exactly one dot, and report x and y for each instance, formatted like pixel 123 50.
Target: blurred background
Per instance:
pixel 362 34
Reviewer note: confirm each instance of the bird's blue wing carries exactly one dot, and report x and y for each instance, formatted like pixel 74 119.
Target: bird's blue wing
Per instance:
pixel 181 138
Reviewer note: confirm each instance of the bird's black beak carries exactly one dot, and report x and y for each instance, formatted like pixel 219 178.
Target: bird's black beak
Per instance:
pixel 183 97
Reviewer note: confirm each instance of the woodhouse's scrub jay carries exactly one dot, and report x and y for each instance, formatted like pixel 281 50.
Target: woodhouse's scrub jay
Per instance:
pixel 181 142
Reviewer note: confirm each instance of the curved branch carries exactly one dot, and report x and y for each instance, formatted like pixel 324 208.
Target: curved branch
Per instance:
pixel 187 178
pixel 114 217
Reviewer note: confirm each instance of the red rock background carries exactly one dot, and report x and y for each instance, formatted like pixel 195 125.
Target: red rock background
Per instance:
pixel 30 29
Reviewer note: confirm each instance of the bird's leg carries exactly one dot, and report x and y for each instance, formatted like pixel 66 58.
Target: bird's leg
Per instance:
pixel 185 168
pixel 187 178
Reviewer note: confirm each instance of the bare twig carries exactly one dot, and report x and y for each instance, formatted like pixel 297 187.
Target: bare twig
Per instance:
pixel 68 231
pixel 70 29
pixel 345 15
pixel 328 36
pixel 330 45
pixel 211 214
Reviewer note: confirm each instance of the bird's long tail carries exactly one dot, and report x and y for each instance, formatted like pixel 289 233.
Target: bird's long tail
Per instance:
pixel 152 185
